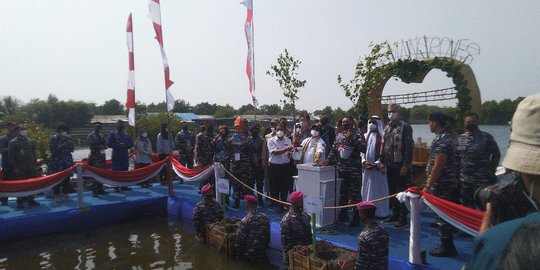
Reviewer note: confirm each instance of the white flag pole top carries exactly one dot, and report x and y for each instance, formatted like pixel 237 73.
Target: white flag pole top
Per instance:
pixel 130 102
pixel 250 61
pixel 155 15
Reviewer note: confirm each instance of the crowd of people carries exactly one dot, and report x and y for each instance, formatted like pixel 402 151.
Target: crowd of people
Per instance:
pixel 372 159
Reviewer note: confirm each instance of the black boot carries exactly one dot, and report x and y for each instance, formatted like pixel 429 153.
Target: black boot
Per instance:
pixel 356 219
pixel 343 215
pixel 446 249
pixel 393 218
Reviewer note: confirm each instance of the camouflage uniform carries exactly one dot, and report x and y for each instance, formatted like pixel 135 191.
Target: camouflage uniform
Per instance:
pixel 206 213
pixel 397 151
pixel 477 158
pixel 295 230
pixel 257 170
pixel 253 236
pixel 239 153
pixel 96 158
pixel 185 142
pixel 445 185
pixel 349 169
pixel 203 148
pixel 22 157
pixel 372 248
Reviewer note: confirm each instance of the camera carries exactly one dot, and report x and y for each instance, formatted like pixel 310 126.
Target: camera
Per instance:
pixel 507 198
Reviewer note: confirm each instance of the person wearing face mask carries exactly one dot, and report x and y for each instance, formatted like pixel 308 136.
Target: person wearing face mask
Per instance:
pixel 257 170
pixel 523 158
pixel 204 154
pixel 374 183
pixel 441 178
pixel 185 141
pixel 313 147
pixel 22 158
pixel 97 158
pixel 120 143
pixel 346 153
pixel 239 150
pixel 477 156
pixel 143 146
pixel 279 148
pixel 61 148
pixel 396 162
pixel 7 171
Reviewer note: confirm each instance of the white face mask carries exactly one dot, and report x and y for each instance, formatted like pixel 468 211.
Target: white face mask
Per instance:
pixel 314 133
pixel 279 133
pixel 144 135
pixel 392 116
pixel 372 126
pixel 24 132
pixel 273 129
pixel 63 133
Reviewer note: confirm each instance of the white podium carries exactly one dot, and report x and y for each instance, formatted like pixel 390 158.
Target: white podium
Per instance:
pixel 319 181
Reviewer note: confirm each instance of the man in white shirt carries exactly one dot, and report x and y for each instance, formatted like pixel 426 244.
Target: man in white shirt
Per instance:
pixel 279 171
pixel 313 147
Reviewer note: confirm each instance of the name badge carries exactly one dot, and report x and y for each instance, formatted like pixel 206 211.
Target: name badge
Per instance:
pixel 236 156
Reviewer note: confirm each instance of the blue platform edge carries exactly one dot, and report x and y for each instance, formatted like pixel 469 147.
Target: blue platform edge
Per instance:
pixel 183 208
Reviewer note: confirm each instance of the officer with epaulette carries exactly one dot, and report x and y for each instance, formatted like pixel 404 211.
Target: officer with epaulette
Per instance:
pixel 253 234
pixel 239 152
pixel 346 154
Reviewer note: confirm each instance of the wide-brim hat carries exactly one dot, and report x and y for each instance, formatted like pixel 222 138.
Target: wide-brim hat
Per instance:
pixel 523 153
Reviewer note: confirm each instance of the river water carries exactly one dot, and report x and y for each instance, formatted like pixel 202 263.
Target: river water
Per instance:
pixel 153 243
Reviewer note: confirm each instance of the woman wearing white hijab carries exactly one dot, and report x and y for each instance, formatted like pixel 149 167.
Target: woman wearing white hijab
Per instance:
pixel 374 183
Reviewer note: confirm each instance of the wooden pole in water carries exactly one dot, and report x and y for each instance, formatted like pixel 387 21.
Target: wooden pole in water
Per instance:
pixel 314 238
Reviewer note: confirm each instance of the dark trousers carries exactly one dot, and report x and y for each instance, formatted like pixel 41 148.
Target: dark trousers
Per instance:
pixel 239 189
pixel 25 174
pixel 257 174
pixel 467 190
pixel 64 185
pixel 397 183
pixel 280 180
pixel 350 189
pixel 163 173
pixel 444 191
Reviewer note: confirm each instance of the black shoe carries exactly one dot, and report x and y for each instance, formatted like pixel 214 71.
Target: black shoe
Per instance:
pixel 446 249
pixel 391 219
pixel 401 223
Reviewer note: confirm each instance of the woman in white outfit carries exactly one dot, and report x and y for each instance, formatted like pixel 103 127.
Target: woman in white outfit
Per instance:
pixel 374 183
pixel 313 147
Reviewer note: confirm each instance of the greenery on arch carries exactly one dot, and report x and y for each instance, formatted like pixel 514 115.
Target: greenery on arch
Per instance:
pixel 377 67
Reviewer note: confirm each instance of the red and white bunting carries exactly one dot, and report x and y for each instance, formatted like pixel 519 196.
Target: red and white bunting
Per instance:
pixel 130 102
pixel 155 15
pixel 250 61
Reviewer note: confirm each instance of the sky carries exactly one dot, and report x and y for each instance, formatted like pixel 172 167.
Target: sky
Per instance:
pixel 77 50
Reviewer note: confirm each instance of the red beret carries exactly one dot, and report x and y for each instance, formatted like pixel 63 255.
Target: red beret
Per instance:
pixel 365 205
pixel 250 199
pixel 296 197
pixel 206 189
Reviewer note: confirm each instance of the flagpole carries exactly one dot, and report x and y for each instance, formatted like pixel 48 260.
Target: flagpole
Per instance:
pixel 169 167
pixel 133 49
pixel 253 52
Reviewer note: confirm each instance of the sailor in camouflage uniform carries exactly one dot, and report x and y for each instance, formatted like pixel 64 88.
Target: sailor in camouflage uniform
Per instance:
pixel 350 169
pixel 97 144
pixel 257 169
pixel 239 151
pixel 186 143
pixel 253 234
pixel 207 211
pixel 372 241
pixel 295 226
pixel 203 150
pixel 477 156
pixel 441 175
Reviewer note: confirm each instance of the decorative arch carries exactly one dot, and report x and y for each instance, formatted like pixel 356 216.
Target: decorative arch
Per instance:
pixel 414 71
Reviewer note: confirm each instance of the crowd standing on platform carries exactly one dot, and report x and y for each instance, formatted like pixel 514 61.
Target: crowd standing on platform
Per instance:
pixel 373 160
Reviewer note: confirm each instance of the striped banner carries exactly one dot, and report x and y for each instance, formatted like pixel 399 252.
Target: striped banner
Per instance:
pixel 130 102
pixel 250 61
pixel 155 14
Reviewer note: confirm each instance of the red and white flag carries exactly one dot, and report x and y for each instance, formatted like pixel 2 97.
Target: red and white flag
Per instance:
pixel 130 102
pixel 155 15
pixel 250 61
